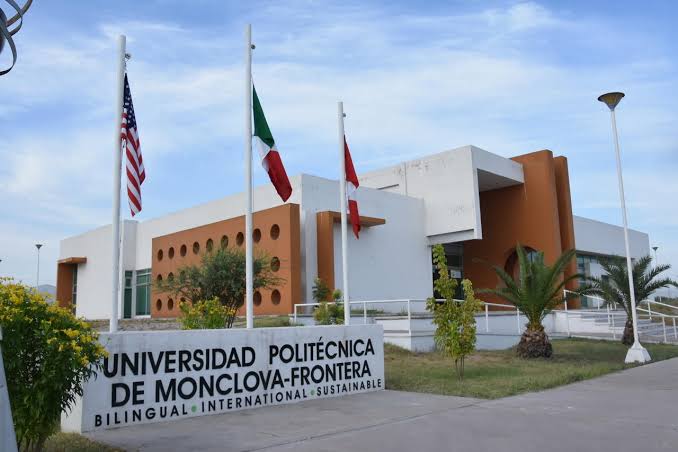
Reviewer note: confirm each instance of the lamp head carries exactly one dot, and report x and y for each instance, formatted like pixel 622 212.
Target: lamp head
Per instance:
pixel 611 99
pixel 38 246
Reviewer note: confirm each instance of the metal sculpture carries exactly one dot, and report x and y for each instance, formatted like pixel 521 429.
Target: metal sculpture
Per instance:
pixel 10 27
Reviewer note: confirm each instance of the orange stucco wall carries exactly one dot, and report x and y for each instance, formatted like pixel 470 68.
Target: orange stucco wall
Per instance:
pixel 286 246
pixel 536 214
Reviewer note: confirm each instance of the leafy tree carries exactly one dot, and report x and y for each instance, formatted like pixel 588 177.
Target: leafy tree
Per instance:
pixel 455 322
pixel 614 288
pixel 221 275
pixel 537 291
pixel 49 355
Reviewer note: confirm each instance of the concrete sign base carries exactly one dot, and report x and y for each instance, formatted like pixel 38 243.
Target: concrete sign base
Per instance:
pixel 158 376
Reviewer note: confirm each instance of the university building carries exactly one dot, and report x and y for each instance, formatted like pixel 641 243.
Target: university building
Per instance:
pixel 477 204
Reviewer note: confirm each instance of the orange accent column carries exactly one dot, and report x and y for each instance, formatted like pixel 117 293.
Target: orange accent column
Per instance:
pixel 325 241
pixel 64 285
pixel 536 214
pixel 566 220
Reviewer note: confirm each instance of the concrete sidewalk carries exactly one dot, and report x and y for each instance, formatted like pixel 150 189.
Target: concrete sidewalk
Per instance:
pixel 634 410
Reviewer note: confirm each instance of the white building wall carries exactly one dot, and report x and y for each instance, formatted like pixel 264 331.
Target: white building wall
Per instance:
pixel 95 283
pixel 596 237
pixel 449 185
pixel 388 261
pixel 94 276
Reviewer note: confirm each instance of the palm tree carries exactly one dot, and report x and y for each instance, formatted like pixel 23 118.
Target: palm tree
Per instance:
pixel 536 292
pixel 614 287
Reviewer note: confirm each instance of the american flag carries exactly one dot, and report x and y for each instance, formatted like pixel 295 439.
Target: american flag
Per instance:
pixel 131 146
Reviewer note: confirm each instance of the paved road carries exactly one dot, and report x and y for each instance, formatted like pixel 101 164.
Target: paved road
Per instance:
pixel 634 410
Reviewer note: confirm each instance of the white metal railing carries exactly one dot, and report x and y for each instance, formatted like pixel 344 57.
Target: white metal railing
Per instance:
pixel 409 302
pixel 364 304
pixel 608 312
pixel 657 303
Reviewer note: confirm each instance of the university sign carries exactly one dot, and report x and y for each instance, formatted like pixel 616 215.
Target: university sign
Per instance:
pixel 165 375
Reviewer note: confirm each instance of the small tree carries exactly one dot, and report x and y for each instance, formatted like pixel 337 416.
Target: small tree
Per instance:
pixel 455 322
pixel 220 275
pixel 321 291
pixel 615 287
pixel 326 313
pixel 49 355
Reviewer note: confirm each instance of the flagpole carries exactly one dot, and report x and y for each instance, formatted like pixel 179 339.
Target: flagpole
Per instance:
pixel 249 255
pixel 117 170
pixel 342 209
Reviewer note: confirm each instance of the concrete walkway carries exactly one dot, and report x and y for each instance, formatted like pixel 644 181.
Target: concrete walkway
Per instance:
pixel 634 410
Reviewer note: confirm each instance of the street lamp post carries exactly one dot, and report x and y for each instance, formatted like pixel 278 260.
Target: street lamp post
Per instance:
pixel 37 278
pixel 637 353
pixel 655 248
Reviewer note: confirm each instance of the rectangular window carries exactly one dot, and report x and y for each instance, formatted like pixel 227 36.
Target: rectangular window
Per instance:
pixel 127 307
pixel 143 292
pixel 74 292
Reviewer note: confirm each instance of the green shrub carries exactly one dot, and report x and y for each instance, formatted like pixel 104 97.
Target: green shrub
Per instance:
pixel 205 315
pixel 49 354
pixel 455 322
pixel 329 313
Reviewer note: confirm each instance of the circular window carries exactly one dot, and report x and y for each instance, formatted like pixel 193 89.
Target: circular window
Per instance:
pixel 224 241
pixel 240 238
pixel 275 297
pixel 257 298
pixel 182 250
pixel 158 304
pixel 209 245
pixel 275 264
pixel 256 235
pixel 170 252
pixel 158 278
pixel 170 277
pixel 170 304
pixel 196 247
pixel 275 232
pixel 160 255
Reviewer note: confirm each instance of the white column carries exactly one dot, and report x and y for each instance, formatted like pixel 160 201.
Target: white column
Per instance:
pixel 249 254
pixel 117 170
pixel 637 352
pixel 342 209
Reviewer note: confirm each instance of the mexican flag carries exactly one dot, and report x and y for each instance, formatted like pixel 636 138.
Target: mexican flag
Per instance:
pixel 270 158
pixel 352 185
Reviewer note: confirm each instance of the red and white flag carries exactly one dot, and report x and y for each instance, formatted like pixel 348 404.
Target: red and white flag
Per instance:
pixel 130 145
pixel 270 157
pixel 352 185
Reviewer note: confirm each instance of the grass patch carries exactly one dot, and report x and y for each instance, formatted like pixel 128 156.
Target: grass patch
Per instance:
pixel 500 373
pixel 72 442
pixel 271 321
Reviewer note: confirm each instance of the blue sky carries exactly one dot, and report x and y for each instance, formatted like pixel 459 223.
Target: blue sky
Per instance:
pixel 509 77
